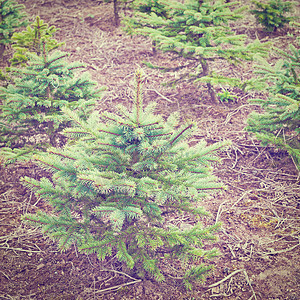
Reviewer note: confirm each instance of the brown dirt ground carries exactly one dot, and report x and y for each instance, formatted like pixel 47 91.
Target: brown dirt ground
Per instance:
pixel 259 242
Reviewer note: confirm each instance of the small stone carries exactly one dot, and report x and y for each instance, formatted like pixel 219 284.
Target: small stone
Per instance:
pixel 40 266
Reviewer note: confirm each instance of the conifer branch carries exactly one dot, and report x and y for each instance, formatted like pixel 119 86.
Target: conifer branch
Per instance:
pixel 55 59
pixel 112 133
pixel 27 218
pixel 211 188
pixel 47 164
pixel 111 145
pixel 60 154
pixel 116 121
pixel 188 127
pixel 151 124
pixel 156 135
pixel 78 67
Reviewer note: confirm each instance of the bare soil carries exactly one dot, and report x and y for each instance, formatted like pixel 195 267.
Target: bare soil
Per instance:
pixel 259 240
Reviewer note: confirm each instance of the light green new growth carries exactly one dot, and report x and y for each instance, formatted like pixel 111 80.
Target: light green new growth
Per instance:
pixel 36 36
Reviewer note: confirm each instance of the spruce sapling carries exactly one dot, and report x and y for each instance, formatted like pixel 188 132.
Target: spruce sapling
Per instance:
pixel 12 16
pixel 279 124
pixel 197 31
pixel 30 115
pixel 36 36
pixel 272 14
pixel 115 185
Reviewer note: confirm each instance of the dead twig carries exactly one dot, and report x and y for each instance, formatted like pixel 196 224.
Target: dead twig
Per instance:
pixel 118 272
pixel 241 198
pixel 231 114
pixel 226 278
pixel 117 287
pixel 19 249
pixel 158 93
pixel 220 210
pixel 249 283
pixel 281 251
pixel 232 274
pixel 5 275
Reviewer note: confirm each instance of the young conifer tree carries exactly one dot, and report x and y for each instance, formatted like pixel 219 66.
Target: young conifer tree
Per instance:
pixel 197 30
pixel 115 185
pixel 31 105
pixel 12 16
pixel 32 40
pixel 272 15
pixel 279 124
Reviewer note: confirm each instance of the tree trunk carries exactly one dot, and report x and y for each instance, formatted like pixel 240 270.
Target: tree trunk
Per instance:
pixel 2 48
pixel 116 13
pixel 206 72
pixel 200 2
pixel 154 51
pixel 212 93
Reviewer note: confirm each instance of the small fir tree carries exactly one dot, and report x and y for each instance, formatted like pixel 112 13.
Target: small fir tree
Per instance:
pixel 32 40
pixel 31 105
pixel 12 16
pixel 197 30
pixel 116 183
pixel 272 14
pixel 279 124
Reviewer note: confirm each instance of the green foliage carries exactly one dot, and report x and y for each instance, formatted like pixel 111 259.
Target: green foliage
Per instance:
pixel 151 6
pixel 279 124
pixel 272 14
pixel 226 96
pixel 115 184
pixel 31 105
pixel 36 36
pixel 4 77
pixel 198 31
pixel 12 16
